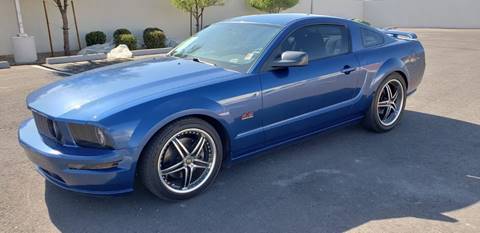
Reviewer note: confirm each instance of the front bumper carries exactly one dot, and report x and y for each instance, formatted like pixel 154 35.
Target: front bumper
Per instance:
pixel 53 160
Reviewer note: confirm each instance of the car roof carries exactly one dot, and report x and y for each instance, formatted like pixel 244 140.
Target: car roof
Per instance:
pixel 282 19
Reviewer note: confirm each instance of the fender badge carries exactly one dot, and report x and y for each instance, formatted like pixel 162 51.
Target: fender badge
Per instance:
pixel 246 116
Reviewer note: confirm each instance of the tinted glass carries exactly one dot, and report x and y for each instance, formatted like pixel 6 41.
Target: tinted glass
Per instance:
pixel 371 38
pixel 234 46
pixel 319 41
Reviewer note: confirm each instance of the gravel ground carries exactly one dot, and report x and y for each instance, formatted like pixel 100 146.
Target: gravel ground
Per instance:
pixel 422 177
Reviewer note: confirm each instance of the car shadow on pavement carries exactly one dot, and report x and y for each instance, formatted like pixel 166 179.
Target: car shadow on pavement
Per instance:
pixel 331 182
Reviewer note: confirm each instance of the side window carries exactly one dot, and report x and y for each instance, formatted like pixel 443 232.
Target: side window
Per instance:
pixel 371 38
pixel 318 41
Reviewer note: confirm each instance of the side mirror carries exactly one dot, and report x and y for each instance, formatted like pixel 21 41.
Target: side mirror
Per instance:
pixel 291 59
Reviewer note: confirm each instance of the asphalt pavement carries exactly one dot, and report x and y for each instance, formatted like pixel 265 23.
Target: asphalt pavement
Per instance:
pixel 424 176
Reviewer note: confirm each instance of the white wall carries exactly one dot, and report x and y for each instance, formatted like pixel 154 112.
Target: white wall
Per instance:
pixel 424 13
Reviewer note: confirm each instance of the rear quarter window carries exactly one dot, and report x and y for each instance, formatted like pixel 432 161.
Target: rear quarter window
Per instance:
pixel 371 38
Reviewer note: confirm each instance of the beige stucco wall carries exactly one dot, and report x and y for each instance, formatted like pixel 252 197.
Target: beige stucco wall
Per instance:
pixel 8 25
pixel 105 15
pixel 340 8
pixel 108 15
pixel 424 13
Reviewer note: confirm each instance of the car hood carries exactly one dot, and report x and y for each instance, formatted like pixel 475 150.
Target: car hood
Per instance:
pixel 88 95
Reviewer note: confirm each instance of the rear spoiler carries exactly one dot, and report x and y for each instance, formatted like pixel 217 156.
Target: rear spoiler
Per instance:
pixel 400 34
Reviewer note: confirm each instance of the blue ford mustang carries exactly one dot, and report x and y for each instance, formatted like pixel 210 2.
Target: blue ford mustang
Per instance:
pixel 239 87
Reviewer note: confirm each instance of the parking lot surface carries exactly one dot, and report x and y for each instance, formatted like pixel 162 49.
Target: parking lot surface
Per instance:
pixel 424 176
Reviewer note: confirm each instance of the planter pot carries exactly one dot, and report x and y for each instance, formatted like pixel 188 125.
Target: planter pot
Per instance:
pixel 24 50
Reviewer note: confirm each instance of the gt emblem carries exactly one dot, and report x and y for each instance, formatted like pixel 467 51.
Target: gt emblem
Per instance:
pixel 246 116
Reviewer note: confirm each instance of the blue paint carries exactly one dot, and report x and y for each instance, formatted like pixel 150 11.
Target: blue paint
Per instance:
pixel 132 101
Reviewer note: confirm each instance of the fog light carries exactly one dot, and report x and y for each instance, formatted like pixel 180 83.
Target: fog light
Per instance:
pixel 98 166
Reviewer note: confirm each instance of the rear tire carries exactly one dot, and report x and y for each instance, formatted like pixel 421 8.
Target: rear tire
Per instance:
pixel 388 104
pixel 182 160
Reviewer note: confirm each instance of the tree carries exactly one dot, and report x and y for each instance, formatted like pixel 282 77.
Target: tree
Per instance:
pixel 63 11
pixel 272 6
pixel 196 8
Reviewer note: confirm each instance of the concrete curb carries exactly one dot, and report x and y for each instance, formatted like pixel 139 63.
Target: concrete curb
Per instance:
pixel 102 56
pixel 142 52
pixel 4 64
pixel 75 58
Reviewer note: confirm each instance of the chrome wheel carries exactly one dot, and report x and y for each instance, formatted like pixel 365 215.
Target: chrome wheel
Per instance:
pixel 390 102
pixel 186 160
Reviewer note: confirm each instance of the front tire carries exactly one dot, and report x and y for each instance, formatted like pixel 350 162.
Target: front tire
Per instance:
pixel 388 104
pixel 182 160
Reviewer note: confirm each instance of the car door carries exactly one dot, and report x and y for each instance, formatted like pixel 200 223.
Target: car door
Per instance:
pixel 299 100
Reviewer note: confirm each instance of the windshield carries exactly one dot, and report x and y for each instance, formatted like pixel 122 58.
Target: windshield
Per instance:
pixel 234 46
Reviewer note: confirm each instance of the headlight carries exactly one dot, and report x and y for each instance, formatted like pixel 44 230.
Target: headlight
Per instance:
pixel 90 136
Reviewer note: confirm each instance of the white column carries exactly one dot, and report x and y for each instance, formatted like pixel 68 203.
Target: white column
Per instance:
pixel 19 18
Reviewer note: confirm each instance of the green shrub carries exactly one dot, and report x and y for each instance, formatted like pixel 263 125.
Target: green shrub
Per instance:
pixel 147 30
pixel 96 37
pixel 118 32
pixel 272 6
pixel 129 40
pixel 154 38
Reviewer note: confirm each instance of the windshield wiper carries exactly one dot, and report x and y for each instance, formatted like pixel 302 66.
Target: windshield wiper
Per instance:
pixel 196 59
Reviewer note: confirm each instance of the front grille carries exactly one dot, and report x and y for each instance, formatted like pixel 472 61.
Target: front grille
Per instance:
pixel 46 127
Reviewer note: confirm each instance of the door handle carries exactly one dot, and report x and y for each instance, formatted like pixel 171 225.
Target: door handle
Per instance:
pixel 348 69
